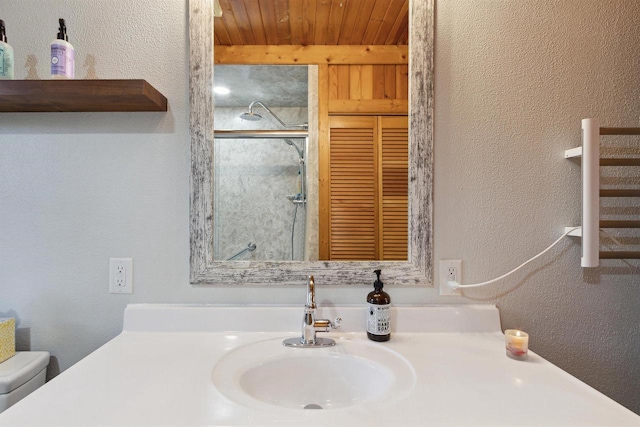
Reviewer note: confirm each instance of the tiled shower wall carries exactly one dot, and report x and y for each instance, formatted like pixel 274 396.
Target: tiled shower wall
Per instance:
pixel 253 178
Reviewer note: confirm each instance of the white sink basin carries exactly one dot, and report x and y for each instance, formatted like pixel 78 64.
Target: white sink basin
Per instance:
pixel 350 373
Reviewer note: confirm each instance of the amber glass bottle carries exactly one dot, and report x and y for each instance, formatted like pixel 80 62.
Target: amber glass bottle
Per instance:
pixel 378 312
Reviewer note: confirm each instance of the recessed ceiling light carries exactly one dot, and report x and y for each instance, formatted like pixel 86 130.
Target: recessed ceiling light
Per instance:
pixel 220 90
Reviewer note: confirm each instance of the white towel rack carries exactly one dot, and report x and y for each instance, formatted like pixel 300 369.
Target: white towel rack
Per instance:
pixel 591 192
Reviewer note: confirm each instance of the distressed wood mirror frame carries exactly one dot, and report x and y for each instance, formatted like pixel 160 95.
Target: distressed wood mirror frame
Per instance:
pixel 418 270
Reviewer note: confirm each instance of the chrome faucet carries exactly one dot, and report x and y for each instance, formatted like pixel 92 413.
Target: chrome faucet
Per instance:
pixel 311 325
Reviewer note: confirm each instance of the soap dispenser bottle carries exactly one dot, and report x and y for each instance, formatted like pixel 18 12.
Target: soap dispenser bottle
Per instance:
pixel 378 312
pixel 6 55
pixel 62 55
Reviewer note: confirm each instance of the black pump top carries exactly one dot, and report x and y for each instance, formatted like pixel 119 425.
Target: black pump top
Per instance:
pixel 3 33
pixel 378 283
pixel 62 31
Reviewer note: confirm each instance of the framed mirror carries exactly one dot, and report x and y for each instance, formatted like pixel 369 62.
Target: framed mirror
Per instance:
pixel 205 269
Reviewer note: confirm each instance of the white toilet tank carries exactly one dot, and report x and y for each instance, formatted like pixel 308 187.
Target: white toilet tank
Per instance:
pixel 20 375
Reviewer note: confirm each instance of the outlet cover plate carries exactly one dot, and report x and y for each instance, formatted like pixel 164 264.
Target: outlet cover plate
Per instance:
pixel 120 275
pixel 445 265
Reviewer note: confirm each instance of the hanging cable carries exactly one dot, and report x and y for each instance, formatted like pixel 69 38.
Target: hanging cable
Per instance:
pixel 455 285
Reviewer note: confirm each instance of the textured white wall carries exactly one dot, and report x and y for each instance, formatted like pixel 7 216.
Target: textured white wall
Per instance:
pixel 513 79
pixel 76 189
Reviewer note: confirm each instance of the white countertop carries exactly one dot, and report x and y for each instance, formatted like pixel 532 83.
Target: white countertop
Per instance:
pixel 158 372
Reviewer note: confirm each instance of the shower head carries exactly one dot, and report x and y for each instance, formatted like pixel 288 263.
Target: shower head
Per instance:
pixel 251 116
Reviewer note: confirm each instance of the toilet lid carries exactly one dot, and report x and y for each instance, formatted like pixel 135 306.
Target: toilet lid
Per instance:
pixel 20 368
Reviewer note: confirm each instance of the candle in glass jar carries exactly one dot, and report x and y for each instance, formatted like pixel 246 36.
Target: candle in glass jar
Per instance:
pixel 517 343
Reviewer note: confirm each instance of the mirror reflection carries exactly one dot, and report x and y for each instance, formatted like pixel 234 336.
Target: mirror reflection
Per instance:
pixel 341 193
pixel 260 191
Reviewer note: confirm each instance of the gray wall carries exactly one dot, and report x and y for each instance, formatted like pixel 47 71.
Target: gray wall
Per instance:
pixel 513 79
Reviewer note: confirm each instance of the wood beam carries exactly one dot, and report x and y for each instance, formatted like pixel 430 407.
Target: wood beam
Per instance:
pixel 368 106
pixel 324 214
pixel 302 55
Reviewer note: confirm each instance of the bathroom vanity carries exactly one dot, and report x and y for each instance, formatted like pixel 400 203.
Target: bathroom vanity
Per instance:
pixel 194 365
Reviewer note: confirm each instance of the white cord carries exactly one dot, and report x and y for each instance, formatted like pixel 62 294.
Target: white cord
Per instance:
pixel 455 285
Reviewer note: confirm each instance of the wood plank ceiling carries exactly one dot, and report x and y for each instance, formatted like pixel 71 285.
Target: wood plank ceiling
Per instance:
pixel 312 22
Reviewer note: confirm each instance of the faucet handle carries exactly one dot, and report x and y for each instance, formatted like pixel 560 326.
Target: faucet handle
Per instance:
pixel 336 323
pixel 325 325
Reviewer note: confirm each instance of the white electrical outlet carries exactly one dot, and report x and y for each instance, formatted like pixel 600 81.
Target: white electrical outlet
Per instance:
pixel 450 270
pixel 120 275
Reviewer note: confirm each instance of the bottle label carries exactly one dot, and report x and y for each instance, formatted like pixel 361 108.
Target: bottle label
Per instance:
pixel 379 319
pixel 6 61
pixel 62 61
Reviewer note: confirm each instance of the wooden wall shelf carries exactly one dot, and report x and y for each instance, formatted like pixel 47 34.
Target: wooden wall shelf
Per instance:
pixel 30 96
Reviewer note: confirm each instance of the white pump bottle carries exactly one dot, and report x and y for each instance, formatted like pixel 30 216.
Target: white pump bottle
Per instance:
pixel 62 55
pixel 6 55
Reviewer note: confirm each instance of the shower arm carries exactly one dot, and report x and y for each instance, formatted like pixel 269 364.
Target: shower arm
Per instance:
pixel 303 126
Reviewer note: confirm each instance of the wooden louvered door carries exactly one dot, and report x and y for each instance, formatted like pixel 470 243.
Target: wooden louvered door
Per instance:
pixel 353 190
pixel 394 187
pixel 363 204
